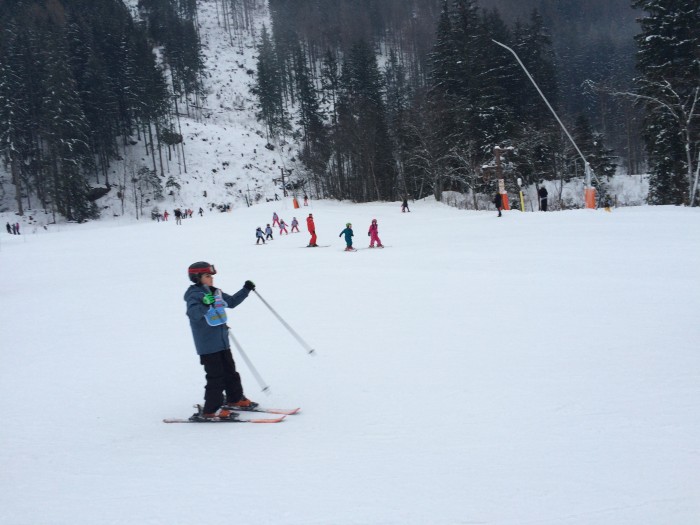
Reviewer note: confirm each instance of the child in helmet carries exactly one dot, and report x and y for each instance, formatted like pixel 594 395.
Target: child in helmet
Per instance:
pixel 283 228
pixel 374 235
pixel 206 309
pixel 268 233
pixel 348 237
pixel 260 236
pixel 295 224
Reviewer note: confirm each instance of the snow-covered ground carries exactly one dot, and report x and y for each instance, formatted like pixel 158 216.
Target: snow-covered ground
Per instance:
pixel 538 368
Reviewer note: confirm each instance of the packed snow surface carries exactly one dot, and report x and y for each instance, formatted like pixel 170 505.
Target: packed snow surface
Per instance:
pixel 540 368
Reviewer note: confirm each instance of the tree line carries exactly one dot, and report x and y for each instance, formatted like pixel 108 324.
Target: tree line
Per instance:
pixel 380 113
pixel 79 82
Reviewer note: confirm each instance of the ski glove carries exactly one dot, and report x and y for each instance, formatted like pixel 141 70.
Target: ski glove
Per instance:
pixel 208 299
pixel 249 285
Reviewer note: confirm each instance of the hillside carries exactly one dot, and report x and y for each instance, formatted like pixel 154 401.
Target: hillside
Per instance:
pixel 539 368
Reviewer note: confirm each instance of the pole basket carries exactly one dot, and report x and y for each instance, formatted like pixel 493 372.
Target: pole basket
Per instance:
pixel 589 194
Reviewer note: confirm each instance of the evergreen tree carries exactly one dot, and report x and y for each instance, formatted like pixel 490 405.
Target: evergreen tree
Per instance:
pixel 268 88
pixel 363 127
pixel 315 147
pixel 669 87
pixel 65 129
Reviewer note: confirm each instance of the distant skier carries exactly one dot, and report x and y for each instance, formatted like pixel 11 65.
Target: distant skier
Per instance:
pixel 374 235
pixel 283 227
pixel 542 193
pixel 348 237
pixel 275 219
pixel 178 216
pixel 9 228
pixel 306 200
pixel 268 233
pixel 498 201
pixel 201 211
pixel 295 225
pixel 404 205
pixel 312 230
pixel 259 235
pixel 166 215
pixel 206 309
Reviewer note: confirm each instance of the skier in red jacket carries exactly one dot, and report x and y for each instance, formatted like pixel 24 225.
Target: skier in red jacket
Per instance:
pixel 312 230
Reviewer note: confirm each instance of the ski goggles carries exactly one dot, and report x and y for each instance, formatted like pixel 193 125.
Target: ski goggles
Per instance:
pixel 204 270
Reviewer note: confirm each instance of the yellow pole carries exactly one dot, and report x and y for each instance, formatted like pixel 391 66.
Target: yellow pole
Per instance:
pixel 522 201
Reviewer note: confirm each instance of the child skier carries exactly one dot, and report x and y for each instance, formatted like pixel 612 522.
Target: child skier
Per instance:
pixel 268 233
pixel 283 227
pixel 348 237
pixel 374 235
pixel 259 235
pixel 295 225
pixel 275 219
pixel 206 309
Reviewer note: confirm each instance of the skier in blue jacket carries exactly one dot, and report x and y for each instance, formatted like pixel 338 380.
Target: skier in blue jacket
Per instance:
pixel 348 237
pixel 206 309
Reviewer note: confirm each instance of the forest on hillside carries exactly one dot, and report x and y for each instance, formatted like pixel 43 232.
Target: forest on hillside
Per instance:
pixel 384 98
pixel 413 97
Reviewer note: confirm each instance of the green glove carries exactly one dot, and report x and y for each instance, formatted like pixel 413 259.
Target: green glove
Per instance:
pixel 208 299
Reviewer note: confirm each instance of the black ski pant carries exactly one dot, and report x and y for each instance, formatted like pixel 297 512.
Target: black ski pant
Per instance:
pixel 222 377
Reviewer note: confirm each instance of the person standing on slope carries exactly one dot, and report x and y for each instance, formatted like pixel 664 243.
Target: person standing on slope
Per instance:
pixel 543 194
pixel 268 233
pixel 275 219
pixel 206 309
pixel 348 238
pixel 374 235
pixel 295 224
pixel 260 236
pixel 498 201
pixel 312 230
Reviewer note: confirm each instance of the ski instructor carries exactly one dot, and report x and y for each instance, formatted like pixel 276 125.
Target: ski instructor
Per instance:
pixel 206 309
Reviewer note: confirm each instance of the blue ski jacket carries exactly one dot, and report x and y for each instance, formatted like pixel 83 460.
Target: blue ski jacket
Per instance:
pixel 209 339
pixel 348 235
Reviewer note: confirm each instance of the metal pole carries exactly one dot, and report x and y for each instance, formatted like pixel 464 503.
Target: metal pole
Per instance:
pixel 303 343
pixel 258 377
pixel 589 172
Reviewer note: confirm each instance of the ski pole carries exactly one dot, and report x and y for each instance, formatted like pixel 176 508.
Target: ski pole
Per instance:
pixel 258 377
pixel 303 343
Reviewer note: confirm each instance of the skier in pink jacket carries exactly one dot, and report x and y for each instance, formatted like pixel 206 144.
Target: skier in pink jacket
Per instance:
pixel 374 235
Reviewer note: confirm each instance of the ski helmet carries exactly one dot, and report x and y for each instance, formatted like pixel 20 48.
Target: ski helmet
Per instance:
pixel 348 225
pixel 196 270
pixel 374 220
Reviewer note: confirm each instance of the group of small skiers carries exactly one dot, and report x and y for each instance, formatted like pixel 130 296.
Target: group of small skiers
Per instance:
pixel 261 236
pixel 12 229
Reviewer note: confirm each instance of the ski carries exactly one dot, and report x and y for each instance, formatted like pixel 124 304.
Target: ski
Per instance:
pixel 281 411
pixel 319 246
pixel 261 420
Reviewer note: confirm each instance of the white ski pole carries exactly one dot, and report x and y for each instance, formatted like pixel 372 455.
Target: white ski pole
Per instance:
pixel 258 377
pixel 303 343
